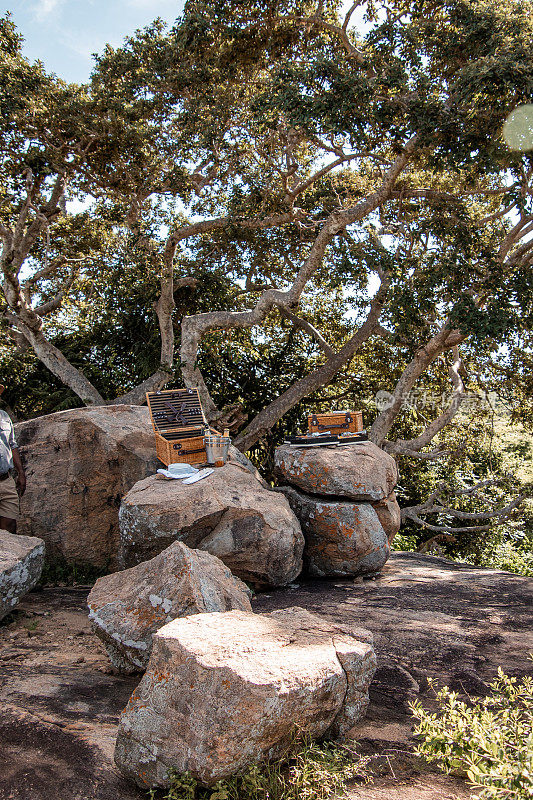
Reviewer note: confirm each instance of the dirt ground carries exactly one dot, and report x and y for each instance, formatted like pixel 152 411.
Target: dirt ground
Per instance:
pixel 60 700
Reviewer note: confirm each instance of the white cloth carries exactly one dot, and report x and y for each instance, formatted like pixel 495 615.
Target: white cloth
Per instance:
pixel 178 471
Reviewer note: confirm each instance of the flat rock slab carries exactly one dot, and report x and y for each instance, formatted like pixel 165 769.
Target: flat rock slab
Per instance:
pixel 223 691
pixel 79 463
pixel 341 538
pixel 59 704
pixel 229 514
pixel 127 607
pixel 431 618
pixel 360 472
pixel 21 564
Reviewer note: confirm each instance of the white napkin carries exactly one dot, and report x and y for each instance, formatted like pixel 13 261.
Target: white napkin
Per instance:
pixel 186 472
pixel 195 478
pixel 182 469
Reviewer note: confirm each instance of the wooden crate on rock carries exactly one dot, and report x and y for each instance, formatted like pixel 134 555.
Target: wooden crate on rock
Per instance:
pixel 336 422
pixel 179 424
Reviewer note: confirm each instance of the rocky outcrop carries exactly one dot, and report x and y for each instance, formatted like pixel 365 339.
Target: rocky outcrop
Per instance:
pixel 431 618
pixel 341 538
pixel 79 464
pixel 127 608
pixel 229 514
pixel 21 564
pixel 344 498
pixel 226 690
pixel 360 472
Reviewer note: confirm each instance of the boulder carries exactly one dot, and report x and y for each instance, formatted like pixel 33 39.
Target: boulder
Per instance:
pixel 341 538
pixel 223 691
pixel 389 514
pixel 229 514
pixel 127 607
pixel 21 564
pixel 79 464
pixel 360 472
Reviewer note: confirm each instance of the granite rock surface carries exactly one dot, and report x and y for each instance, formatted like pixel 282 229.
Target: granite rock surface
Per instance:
pixel 229 514
pixel 341 538
pixel 126 608
pixel 21 564
pixel 223 691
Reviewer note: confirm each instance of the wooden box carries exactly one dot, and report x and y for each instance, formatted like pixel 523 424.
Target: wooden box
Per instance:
pixel 336 422
pixel 179 424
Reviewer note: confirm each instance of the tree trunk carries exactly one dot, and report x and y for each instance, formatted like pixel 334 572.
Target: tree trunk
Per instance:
pixel 61 367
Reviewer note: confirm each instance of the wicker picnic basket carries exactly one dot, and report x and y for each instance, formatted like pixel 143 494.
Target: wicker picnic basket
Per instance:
pixel 179 423
pixel 336 422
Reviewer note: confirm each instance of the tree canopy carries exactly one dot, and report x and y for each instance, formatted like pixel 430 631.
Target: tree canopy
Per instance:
pixel 269 197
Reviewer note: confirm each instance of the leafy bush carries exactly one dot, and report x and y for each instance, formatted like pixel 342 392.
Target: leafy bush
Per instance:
pixel 490 740
pixel 508 556
pixel 309 771
pixel 58 572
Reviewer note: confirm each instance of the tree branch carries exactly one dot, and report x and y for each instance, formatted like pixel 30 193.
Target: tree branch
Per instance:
pixel 264 421
pixel 443 340
pixel 306 326
pixel 411 446
pixel 193 328
pixel 434 505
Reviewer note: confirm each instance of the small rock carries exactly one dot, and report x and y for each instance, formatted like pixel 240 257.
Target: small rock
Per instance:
pixel 223 691
pixel 468 682
pixel 127 607
pixel 395 688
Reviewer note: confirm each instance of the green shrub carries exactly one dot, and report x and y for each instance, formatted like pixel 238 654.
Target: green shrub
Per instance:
pixel 309 771
pixel 58 572
pixel 489 740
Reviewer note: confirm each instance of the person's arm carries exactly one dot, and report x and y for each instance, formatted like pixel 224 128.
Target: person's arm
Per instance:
pixel 21 475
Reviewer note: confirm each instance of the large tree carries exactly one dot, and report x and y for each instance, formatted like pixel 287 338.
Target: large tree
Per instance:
pixel 312 158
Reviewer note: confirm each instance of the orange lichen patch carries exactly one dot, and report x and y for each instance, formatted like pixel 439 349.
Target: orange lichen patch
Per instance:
pixel 146 616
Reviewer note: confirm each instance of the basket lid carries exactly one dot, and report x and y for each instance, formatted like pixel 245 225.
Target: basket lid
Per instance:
pixel 174 408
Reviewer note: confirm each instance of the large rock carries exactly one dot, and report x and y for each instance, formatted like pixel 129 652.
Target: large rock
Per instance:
pixel 79 464
pixel 21 564
pixel 229 514
pixel 341 538
pixel 226 690
pixel 360 472
pixel 389 514
pixel 126 608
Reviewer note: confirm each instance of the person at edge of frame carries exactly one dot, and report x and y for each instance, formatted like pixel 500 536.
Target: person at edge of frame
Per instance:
pixel 10 490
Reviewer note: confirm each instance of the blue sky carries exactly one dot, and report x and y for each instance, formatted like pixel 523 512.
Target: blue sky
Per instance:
pixel 64 33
